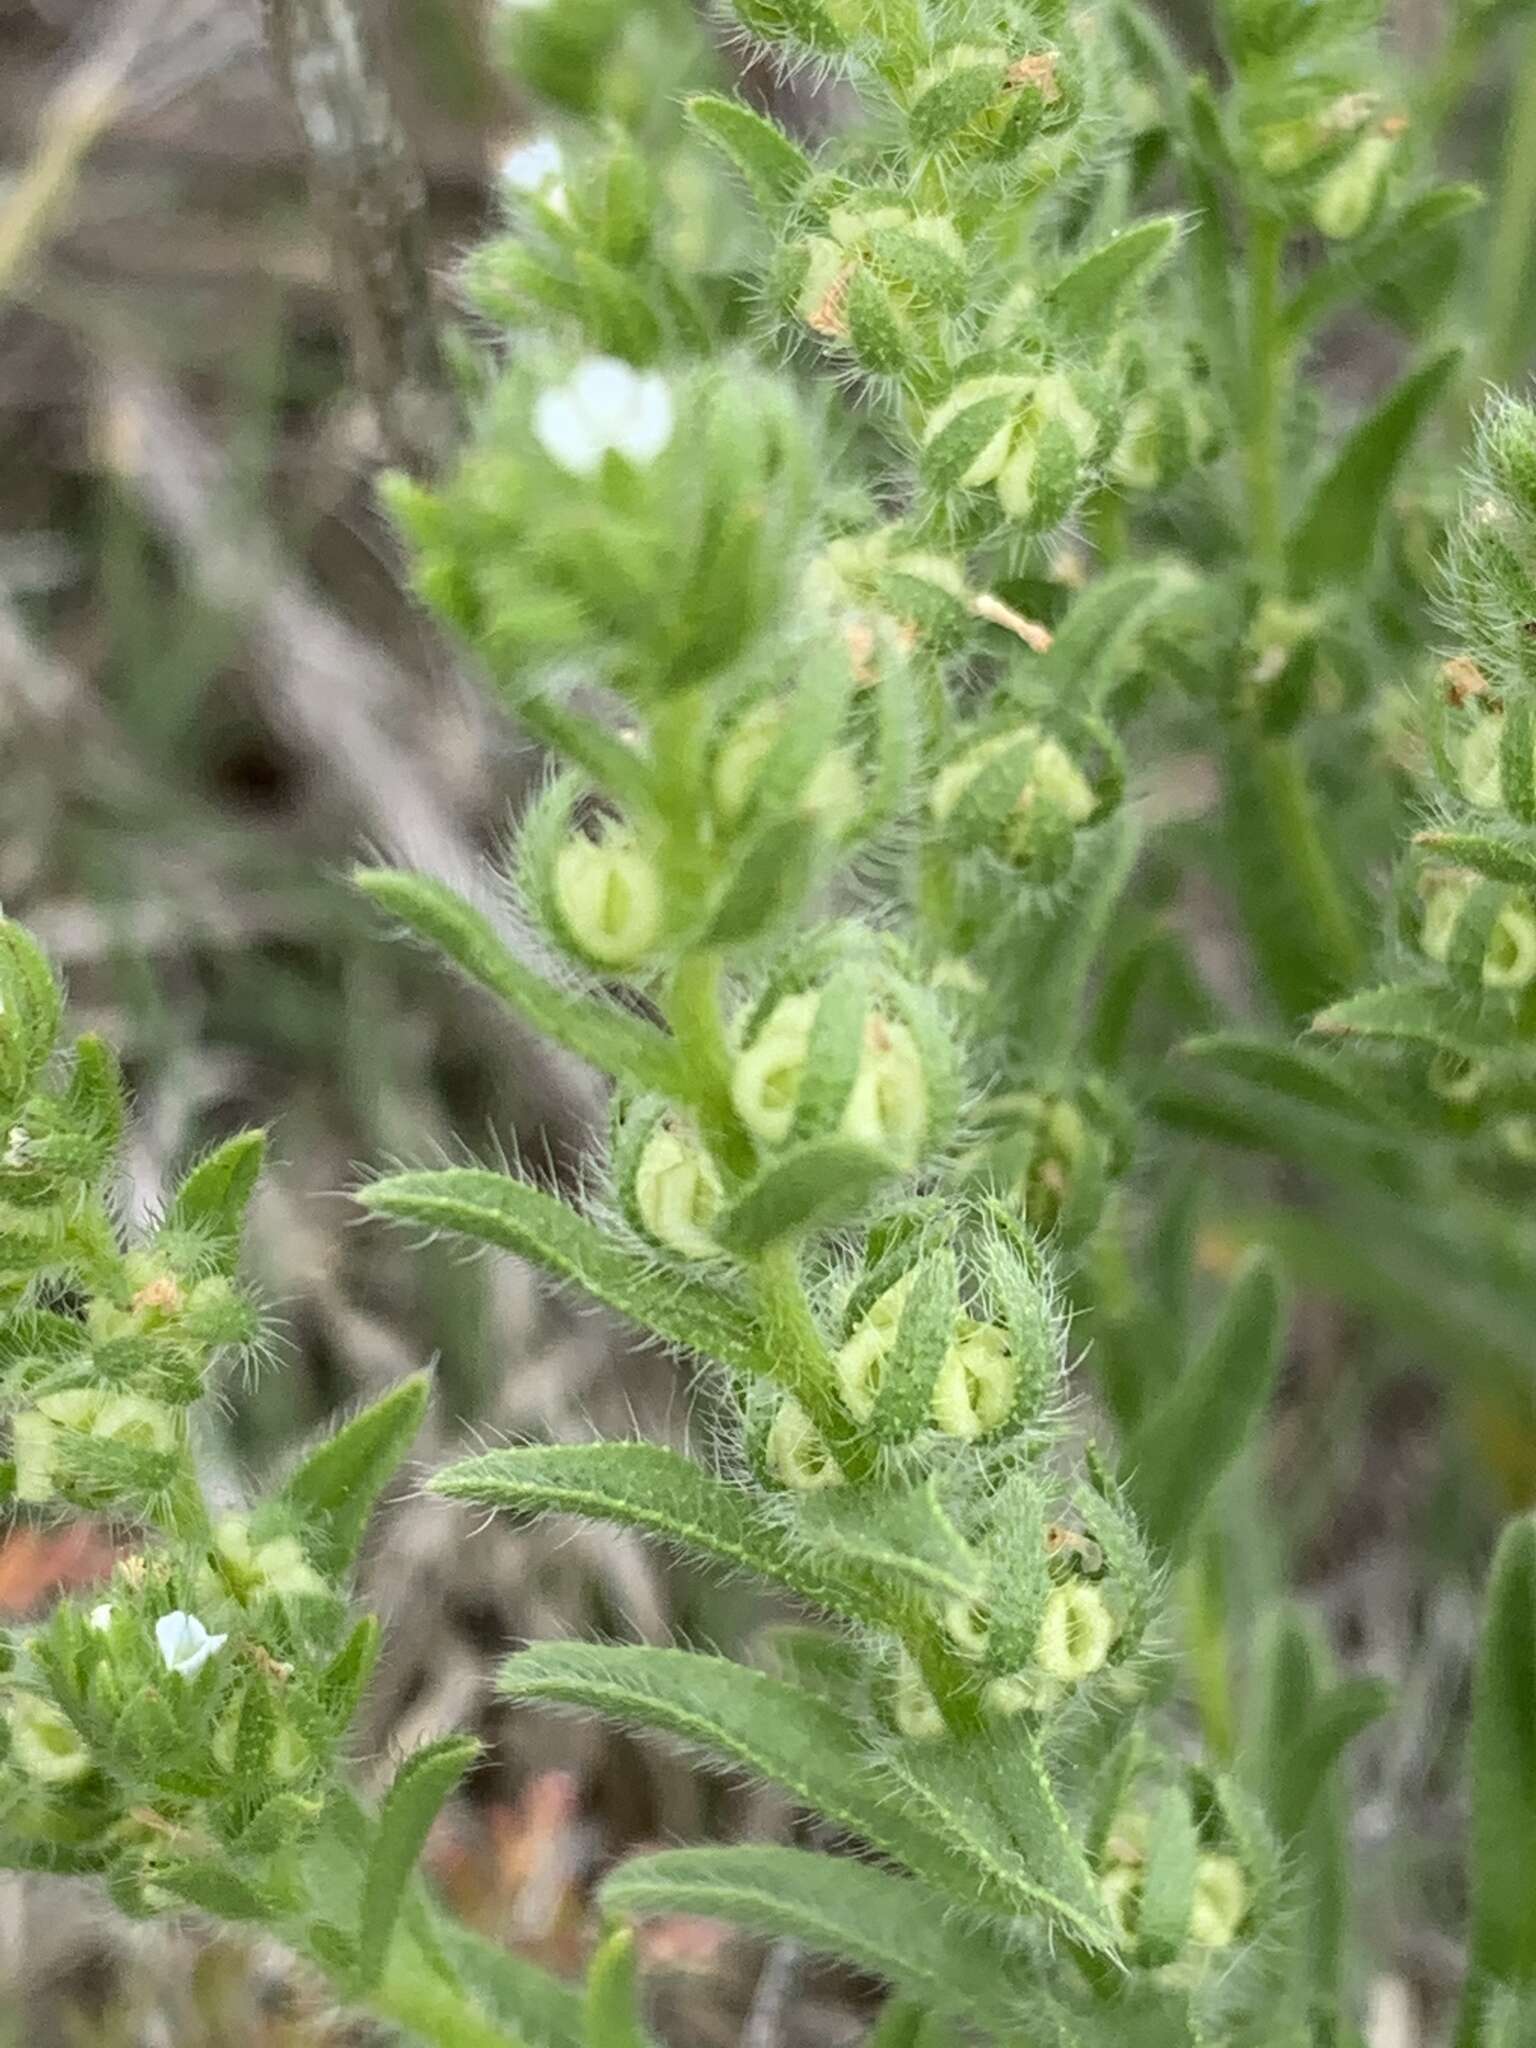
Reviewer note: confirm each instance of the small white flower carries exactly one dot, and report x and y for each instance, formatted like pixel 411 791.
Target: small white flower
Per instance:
pixel 536 168
pixel 100 1618
pixel 604 407
pixel 184 1643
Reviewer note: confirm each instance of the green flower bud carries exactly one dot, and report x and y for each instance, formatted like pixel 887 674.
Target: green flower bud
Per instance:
pixel 833 797
pixel 1509 960
pixel 925 594
pixel 860 1361
pixel 607 895
pixel 1484 932
pixel 1019 795
pixel 986 100
pixel 45 1744
pixel 676 1193
pixel 1220 1902
pixel 1028 436
pixel 1349 197
pixel 276 1567
pixel 797 1452
pixel 1445 897
pixel 1077 1632
pixel 49 1437
pixel 885 1104
pixel 978 1383
pixel 1055 1156
pixel 1160 435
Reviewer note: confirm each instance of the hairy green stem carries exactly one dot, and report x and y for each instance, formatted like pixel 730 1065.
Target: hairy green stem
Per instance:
pixel 696 1014
pixel 1507 349
pixel 804 1365
pixel 1267 368
pixel 1322 953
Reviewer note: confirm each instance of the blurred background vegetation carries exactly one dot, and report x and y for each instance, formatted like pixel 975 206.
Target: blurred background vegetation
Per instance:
pixel 213 696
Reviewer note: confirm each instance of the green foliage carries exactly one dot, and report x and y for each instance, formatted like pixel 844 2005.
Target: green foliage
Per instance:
pixel 1504 1774
pixel 856 523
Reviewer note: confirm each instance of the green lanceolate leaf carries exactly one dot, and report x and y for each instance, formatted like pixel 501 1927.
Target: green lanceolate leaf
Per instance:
pixel 772 1729
pixel 812 1186
pixel 892 1926
pixel 1504 1767
pixel 613 1995
pixel 1393 247
pixel 900 1538
pixel 1501 860
pixel 1296 1078
pixel 993 1807
pixel 1168 1886
pixel 1415 1013
pixel 214 1196
pixel 1086 296
pixel 1333 1721
pixel 335 1487
pixel 773 165
pixel 1335 538
pixel 529 2002
pixel 772 875
pixel 645 1486
pixel 496 1209
pixel 1181 1451
pixel 593 1029
pixel 410 1806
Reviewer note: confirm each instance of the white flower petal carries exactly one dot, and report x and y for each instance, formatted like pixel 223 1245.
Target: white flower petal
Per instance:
pixel 647 426
pixel 184 1643
pixel 604 388
pixel 566 433
pixel 533 166
pixel 100 1617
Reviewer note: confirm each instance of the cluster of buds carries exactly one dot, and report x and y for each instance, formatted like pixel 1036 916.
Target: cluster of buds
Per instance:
pixel 1015 793
pixel 1483 932
pixel 1310 112
pixel 1056 1155
pixel 180 1751
pixel 878 281
pixel 987 102
pixel 650 524
pixel 1060 1607
pixel 1031 437
pixel 1175 1887
pixel 862 1053
pixel 97 1396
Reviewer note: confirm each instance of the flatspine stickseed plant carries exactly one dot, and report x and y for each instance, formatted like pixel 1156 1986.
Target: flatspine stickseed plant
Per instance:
pixel 845 520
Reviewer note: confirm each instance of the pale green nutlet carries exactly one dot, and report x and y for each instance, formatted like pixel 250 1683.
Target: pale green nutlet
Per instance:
pixel 1509 958
pixel 798 1454
pixel 45 1744
pixel 41 1433
pixel 914 1709
pixel 977 1383
pixel 678 1192
pixel 1077 1632
pixel 1220 1902
pixel 886 1107
pixel 608 894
